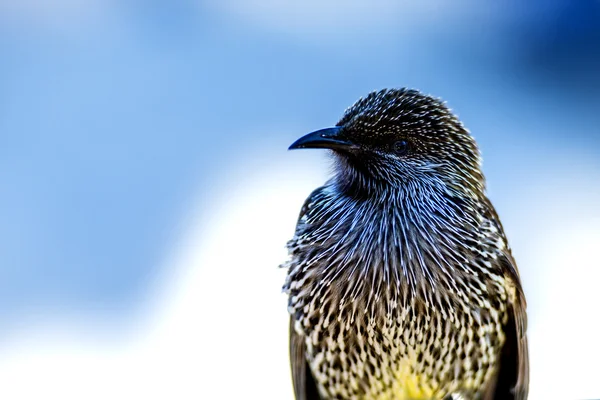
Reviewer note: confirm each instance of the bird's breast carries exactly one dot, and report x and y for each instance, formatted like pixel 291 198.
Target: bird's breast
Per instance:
pixel 394 307
pixel 398 351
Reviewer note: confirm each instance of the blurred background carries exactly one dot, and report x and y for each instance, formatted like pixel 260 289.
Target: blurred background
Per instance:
pixel 146 194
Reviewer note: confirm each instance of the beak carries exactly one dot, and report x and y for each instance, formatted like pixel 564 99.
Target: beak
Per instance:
pixel 328 138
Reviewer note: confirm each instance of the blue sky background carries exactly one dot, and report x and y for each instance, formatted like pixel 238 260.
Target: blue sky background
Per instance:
pixel 125 124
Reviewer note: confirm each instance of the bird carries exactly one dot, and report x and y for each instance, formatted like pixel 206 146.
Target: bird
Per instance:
pixel 400 280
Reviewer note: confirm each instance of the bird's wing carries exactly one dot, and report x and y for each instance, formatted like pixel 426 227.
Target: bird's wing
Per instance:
pixel 305 387
pixel 512 379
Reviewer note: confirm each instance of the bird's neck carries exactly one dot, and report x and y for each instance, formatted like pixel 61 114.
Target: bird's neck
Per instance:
pixel 416 235
pixel 375 182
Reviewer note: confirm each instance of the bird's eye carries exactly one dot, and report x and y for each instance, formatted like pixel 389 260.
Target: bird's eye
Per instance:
pixel 401 147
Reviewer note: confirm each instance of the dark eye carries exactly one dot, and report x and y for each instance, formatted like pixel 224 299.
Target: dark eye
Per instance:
pixel 401 147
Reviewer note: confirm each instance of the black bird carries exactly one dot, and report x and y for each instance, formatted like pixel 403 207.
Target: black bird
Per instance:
pixel 400 280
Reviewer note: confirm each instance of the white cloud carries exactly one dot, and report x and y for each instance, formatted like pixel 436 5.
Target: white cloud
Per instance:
pixel 217 327
pixel 566 326
pixel 560 268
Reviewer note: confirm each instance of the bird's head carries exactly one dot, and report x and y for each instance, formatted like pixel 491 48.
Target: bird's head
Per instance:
pixel 400 139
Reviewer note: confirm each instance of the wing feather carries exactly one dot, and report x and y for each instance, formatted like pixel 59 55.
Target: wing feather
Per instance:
pixel 513 375
pixel 305 387
pixel 512 379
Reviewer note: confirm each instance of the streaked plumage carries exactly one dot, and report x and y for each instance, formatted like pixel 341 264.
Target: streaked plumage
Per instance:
pixel 401 282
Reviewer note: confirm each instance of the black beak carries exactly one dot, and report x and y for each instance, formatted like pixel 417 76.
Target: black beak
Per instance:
pixel 328 138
